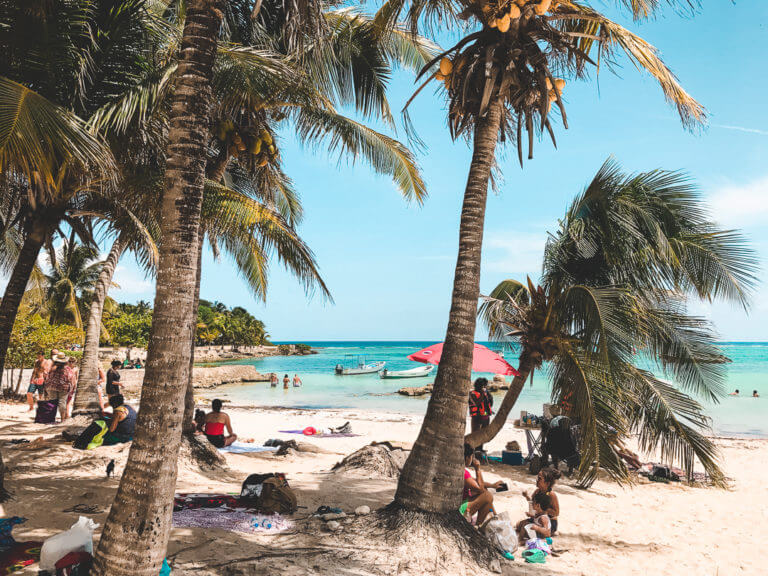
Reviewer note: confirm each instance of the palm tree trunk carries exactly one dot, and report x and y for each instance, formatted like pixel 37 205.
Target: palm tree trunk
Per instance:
pixel 431 479
pixel 17 284
pixel 188 426
pixel 488 433
pixel 87 397
pixel 136 532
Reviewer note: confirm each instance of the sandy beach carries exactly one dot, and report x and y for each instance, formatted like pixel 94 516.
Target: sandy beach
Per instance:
pixel 627 531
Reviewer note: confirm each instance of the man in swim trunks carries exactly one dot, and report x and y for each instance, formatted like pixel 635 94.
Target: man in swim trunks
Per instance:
pixel 38 378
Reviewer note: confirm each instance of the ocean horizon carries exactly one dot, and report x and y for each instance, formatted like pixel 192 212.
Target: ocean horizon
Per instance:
pixel 741 416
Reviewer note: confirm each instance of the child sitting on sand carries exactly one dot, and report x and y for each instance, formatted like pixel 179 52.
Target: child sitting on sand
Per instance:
pixel 545 482
pixel 539 525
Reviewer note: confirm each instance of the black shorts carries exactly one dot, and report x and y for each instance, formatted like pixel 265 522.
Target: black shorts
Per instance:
pixel 217 440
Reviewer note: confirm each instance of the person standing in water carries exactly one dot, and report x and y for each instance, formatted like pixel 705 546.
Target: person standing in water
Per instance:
pixel 273 380
pixel 755 394
pixel 734 393
pixel 286 381
pixel 296 381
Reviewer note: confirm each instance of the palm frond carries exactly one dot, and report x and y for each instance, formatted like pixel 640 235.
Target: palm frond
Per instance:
pixel 348 137
pixel 38 138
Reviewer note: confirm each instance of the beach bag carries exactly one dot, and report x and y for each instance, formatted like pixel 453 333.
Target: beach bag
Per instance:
pixel 46 411
pixel 79 538
pixel 92 437
pixel 251 489
pixel 501 532
pixel 74 564
pixel 277 497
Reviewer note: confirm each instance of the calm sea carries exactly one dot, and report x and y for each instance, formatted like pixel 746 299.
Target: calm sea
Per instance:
pixel 732 416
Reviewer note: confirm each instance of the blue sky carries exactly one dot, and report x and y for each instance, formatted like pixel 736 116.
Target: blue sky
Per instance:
pixel 390 265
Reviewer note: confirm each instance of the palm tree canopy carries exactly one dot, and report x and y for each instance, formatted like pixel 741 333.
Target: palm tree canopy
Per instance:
pixel 610 313
pixel 521 52
pixel 72 277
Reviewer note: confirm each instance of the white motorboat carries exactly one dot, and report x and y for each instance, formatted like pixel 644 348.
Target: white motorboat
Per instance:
pixel 419 372
pixel 362 367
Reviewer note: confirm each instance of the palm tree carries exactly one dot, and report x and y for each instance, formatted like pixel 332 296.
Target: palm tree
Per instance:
pixel 73 275
pixel 500 80
pixel 52 77
pixel 616 277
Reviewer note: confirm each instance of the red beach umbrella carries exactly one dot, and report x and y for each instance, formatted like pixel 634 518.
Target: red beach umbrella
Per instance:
pixel 483 359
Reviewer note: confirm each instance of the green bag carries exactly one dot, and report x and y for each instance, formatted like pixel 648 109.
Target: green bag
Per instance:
pixel 99 438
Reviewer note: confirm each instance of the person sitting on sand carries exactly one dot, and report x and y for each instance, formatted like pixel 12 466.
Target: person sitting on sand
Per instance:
pixel 545 482
pixel 755 394
pixel 58 383
pixel 215 423
pixel 122 423
pixel 296 381
pixel 539 523
pixel 286 381
pixel 273 380
pixel 38 378
pixel 734 393
pixel 476 497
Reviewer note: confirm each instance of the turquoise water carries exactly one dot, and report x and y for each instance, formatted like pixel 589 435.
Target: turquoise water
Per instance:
pixel 733 416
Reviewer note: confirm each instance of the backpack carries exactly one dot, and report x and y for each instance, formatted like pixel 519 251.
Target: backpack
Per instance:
pixel 277 496
pixel 268 493
pixel 46 411
pixel 91 437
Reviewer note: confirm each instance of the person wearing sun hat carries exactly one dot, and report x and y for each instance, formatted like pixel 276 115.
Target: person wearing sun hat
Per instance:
pixel 58 383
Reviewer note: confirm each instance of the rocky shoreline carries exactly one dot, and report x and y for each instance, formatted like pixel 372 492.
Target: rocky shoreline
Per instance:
pixel 210 354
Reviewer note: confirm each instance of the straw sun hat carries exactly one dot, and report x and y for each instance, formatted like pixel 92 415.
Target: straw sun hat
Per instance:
pixel 60 358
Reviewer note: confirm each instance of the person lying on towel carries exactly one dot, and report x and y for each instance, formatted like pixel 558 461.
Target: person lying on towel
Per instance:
pixel 122 423
pixel 215 423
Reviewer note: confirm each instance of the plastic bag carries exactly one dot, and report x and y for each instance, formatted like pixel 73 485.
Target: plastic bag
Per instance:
pixel 78 538
pixel 538 544
pixel 501 532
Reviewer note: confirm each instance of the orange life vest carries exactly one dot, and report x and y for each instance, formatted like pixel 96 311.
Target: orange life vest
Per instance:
pixel 476 404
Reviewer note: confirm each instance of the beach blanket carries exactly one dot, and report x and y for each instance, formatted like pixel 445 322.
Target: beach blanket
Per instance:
pixel 207 501
pixel 246 448
pixel 342 435
pixel 14 557
pixel 232 520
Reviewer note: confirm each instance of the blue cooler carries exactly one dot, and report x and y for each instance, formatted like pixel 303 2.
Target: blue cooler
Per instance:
pixel 512 458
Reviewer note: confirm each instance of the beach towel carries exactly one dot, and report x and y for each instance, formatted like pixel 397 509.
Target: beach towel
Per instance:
pixel 342 435
pixel 197 501
pixel 246 448
pixel 232 520
pixel 13 558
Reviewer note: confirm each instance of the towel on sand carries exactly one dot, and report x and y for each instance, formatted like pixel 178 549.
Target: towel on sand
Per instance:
pixel 342 435
pixel 232 520
pixel 245 448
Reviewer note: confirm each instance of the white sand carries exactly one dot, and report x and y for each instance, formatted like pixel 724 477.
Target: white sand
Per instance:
pixel 649 529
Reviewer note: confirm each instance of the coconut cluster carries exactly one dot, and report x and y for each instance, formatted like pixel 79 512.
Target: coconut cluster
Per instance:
pixel 502 14
pixel 258 143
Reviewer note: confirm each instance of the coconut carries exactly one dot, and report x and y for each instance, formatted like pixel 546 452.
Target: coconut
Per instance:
pixel 255 146
pixel 503 23
pixel 272 149
pixel 241 146
pixel 542 7
pixel 446 66
pixel 266 136
pixel 559 84
pixel 236 139
pixel 492 22
pixel 514 12
pixel 263 161
pixel 549 83
pixel 552 95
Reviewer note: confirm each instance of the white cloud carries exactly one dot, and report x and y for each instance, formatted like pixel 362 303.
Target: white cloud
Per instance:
pixel 515 252
pixel 741 205
pixel 742 129
pixel 131 282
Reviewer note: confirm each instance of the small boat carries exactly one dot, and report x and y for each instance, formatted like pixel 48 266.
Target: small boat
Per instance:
pixel 362 367
pixel 412 373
